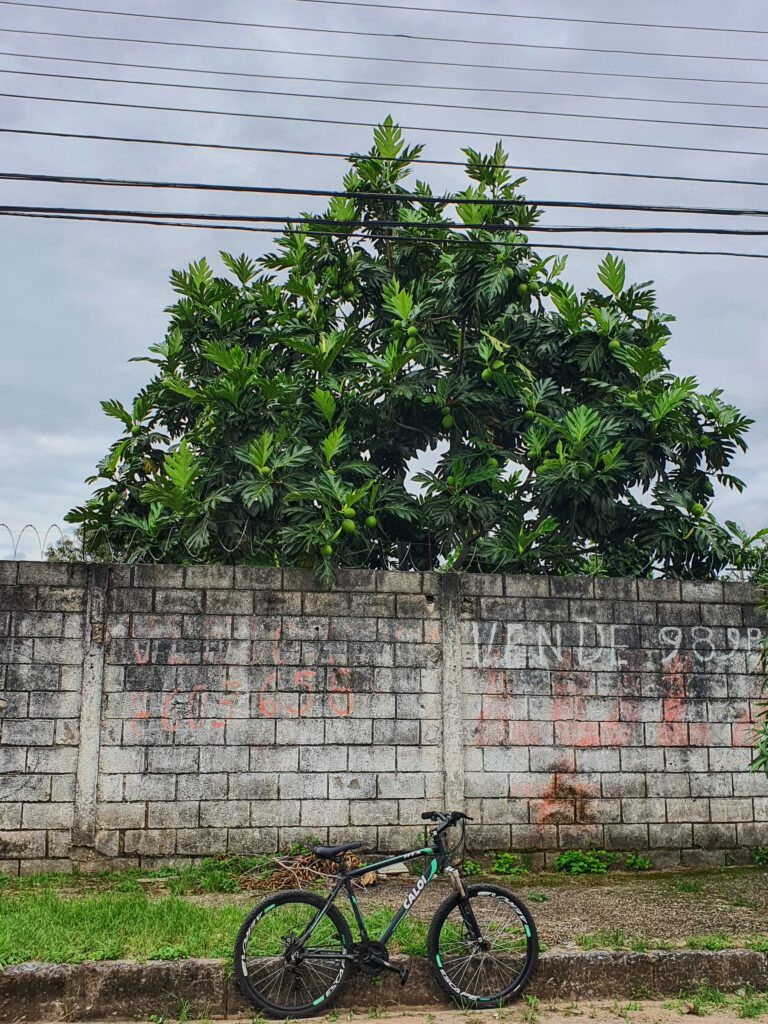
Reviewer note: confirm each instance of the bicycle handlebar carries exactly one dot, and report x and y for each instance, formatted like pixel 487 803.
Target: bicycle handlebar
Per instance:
pixel 446 820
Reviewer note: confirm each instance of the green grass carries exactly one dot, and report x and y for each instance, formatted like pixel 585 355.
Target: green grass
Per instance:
pixel 49 926
pixel 688 885
pixel 714 942
pixel 602 939
pixel 704 1000
pixel 44 926
pixel 209 875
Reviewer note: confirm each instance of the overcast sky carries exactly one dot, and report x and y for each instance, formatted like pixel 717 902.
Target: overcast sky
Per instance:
pixel 79 300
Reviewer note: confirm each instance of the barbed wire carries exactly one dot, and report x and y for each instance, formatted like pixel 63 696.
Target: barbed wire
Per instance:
pixel 266 551
pixel 16 539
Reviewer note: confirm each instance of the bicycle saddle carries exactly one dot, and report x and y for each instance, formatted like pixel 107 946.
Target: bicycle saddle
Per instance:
pixel 331 852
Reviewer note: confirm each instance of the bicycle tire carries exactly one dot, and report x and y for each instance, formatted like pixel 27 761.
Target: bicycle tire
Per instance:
pixel 245 980
pixel 440 969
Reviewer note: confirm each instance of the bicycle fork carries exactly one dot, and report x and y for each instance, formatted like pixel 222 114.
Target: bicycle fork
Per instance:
pixel 465 907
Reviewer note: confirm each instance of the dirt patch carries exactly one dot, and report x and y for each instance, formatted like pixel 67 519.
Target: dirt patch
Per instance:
pixel 671 907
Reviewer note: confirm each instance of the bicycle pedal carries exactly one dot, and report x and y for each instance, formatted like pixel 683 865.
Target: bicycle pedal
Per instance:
pixel 403 975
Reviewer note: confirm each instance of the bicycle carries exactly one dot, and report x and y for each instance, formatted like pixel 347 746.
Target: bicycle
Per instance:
pixel 295 950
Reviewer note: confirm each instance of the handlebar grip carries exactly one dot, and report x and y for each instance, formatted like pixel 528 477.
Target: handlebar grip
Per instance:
pixel 430 816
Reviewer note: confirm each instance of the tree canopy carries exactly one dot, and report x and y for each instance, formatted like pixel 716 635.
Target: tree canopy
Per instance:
pixel 404 382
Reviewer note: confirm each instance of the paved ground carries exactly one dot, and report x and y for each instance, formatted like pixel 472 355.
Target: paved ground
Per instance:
pixel 601 1012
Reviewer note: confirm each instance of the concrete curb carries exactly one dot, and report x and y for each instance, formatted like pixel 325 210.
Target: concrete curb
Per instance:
pixel 123 990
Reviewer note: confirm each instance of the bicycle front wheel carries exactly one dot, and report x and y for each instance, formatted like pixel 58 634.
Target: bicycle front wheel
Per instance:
pixel 279 972
pixel 483 948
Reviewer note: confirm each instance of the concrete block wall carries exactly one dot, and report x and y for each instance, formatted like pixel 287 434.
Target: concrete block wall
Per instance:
pixel 153 714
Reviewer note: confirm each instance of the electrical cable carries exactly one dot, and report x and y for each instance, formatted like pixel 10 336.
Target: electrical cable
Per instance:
pixel 353 81
pixel 396 101
pixel 369 57
pixel 323 223
pixel 417 160
pixel 368 34
pixel 534 17
pixel 391 238
pixel 396 197
pixel 408 127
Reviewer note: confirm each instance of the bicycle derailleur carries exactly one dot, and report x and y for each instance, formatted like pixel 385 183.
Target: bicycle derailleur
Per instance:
pixel 373 960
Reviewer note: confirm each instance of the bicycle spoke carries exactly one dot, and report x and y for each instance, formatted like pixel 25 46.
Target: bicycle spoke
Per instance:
pixel 281 970
pixel 488 966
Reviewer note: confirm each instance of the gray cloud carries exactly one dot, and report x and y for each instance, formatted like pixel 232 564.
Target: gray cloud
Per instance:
pixel 79 300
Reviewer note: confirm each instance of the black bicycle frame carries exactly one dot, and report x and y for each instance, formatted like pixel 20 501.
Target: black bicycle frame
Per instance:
pixel 437 863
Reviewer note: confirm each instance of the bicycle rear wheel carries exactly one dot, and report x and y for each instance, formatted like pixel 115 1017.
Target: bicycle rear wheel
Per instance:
pixel 487 965
pixel 278 973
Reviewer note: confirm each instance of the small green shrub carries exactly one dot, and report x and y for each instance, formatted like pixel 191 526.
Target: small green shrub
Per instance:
pixel 750 1004
pixel 584 862
pixel 471 867
pixel 636 862
pixel 688 885
pixel 713 942
pixel 760 856
pixel 303 846
pixel 509 864
pixel 704 1000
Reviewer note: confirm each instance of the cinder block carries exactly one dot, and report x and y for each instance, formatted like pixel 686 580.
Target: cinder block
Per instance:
pixel 26 732
pixel 698 590
pixel 252 578
pixel 276 812
pixel 394 785
pixel 121 815
pixel 48 815
pixel 190 602
pixel 325 758
pixel 150 787
pixel 687 810
pixel 158 576
pixel 571 586
pixel 714 837
pixel 173 814
pixel 635 811
pixel 686 760
pixel 546 609
pixel 623 784
pixel 22 844
pixel 25 786
pixel 626 837
pixel 730 809
pixel 352 786
pixel 146 843
pixel 175 759
pixel 353 730
pixel 392 731
pixel 376 759
pixel 706 784
pixel 658 590
pixel 415 759
pixel 334 812
pixel 304 785
pixel 201 841
pixel 250 841
pixel 323 604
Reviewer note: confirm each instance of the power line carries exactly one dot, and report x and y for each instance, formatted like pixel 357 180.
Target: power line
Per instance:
pixel 377 35
pixel 389 197
pixel 470 243
pixel 339 227
pixel 91 137
pixel 367 57
pixel 534 17
pixel 388 101
pixel 416 128
pixel 392 101
pixel 353 81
